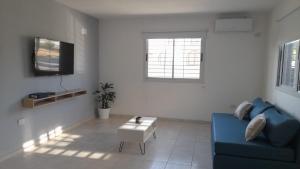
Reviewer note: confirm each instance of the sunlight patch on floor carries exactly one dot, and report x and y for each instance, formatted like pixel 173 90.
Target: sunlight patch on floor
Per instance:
pixel 62 144
pixel 29 146
pixel 83 154
pixel 43 139
pixel 42 150
pixel 55 142
pixel 56 151
pixel 69 153
pixel 96 155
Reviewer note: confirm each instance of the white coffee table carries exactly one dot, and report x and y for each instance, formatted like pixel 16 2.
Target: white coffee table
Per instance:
pixel 137 132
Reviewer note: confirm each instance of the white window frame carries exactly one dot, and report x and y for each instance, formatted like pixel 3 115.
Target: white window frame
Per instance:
pixel 295 90
pixel 175 35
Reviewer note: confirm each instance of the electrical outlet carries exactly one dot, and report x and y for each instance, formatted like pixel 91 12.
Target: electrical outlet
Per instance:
pixel 21 122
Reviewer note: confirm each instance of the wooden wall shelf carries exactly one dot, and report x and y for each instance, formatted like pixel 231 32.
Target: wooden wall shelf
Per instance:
pixel 32 103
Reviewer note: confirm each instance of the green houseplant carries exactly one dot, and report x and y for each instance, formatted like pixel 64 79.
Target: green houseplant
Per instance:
pixel 105 96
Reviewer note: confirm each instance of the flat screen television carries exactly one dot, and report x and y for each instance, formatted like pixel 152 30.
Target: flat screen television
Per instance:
pixel 53 57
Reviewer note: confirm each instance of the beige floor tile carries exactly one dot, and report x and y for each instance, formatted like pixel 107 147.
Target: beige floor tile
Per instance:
pixel 140 164
pixel 202 148
pixel 157 155
pixel 181 156
pixel 94 145
pixel 177 166
pixel 199 167
pixel 202 161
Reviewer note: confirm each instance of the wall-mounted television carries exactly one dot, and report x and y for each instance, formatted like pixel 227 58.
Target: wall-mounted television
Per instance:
pixel 52 57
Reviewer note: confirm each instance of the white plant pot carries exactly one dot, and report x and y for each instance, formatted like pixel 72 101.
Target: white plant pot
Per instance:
pixel 104 113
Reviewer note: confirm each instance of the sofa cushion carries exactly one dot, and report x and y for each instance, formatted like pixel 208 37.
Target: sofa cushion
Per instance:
pixel 280 128
pixel 228 138
pixel 259 106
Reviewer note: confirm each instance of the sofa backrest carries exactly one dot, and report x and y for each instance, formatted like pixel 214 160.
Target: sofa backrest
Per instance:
pixel 281 128
pixel 295 143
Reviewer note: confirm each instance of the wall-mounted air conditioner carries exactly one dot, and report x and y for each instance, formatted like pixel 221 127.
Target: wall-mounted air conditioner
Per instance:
pixel 234 25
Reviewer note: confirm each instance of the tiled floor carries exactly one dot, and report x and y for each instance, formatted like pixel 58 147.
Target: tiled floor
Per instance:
pixel 94 145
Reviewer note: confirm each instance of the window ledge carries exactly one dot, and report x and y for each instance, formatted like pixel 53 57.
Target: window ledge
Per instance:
pixel 288 91
pixel 169 80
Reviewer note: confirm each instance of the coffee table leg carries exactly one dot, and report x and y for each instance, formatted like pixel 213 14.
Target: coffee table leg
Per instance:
pixel 143 151
pixel 154 134
pixel 121 146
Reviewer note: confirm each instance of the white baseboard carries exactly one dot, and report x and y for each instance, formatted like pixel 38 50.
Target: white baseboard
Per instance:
pixel 9 155
pixel 162 118
pixel 77 124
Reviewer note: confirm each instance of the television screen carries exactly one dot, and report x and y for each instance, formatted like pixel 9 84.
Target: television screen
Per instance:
pixel 53 57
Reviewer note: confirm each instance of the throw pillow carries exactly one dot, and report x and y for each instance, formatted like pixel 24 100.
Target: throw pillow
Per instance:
pixel 242 110
pixel 255 127
pixel 259 106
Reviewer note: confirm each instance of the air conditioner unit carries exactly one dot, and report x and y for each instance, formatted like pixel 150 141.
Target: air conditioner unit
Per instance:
pixel 234 25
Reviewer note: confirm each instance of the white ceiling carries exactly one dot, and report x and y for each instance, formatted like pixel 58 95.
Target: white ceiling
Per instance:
pixel 111 8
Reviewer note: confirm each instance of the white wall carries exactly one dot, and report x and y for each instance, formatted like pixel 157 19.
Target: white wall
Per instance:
pixel 233 68
pixel 287 29
pixel 20 22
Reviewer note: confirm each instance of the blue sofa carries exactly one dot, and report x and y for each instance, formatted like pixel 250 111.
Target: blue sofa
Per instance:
pixel 231 151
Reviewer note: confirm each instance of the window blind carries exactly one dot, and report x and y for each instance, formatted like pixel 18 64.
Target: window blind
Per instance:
pixel 187 58
pixel 160 58
pixel 174 58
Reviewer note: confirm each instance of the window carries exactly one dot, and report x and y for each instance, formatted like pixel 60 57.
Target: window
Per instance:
pixel 288 66
pixel 175 55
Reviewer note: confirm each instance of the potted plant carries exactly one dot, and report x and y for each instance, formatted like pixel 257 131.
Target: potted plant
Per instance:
pixel 105 96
